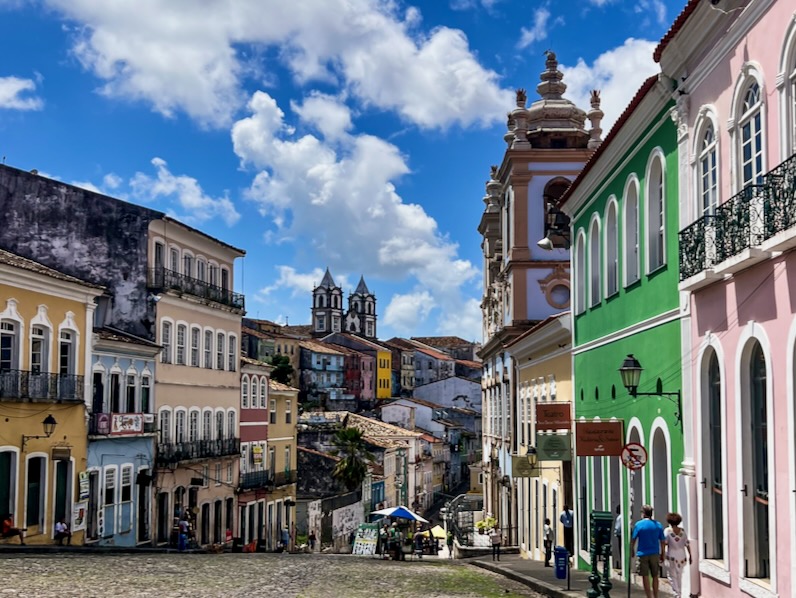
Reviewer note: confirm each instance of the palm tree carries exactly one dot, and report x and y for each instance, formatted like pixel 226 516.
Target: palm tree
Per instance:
pixel 352 468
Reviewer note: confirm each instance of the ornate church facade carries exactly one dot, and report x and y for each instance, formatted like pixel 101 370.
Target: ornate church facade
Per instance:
pixel 328 315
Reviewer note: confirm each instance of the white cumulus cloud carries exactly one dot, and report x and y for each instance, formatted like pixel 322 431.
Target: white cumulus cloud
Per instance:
pixel 16 94
pixel 317 189
pixel 617 73
pixel 405 313
pixel 195 61
pixel 194 206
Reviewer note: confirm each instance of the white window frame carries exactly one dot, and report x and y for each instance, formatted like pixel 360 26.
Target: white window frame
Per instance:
pixel 750 73
pixel 748 116
pixel 631 233
pixel 707 156
pixel 220 349
pixel 182 337
pixel 580 272
pixel 595 262
pixel 180 425
pixel 655 212
pixel 194 425
pixel 611 250
pixel 166 339
pixel 232 352
pixel 244 392
pixel 196 345
pixel 264 393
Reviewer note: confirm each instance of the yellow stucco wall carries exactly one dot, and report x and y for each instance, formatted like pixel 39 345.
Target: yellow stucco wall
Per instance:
pixel 383 374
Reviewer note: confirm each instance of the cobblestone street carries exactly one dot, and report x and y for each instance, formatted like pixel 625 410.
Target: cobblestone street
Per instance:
pixel 233 575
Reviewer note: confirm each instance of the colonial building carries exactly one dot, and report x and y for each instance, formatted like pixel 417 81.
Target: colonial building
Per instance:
pixel 380 353
pixel 46 318
pixel 543 359
pixel 255 480
pixel 121 439
pixel 322 373
pixel 281 461
pixel 733 64
pixel 198 324
pixel 547 145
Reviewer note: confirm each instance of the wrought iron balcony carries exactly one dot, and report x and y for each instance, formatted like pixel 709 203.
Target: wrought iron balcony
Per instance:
pixel 780 198
pixel 173 453
pixel 283 478
pixel 697 247
pixel 256 479
pixel 740 221
pixel 163 279
pixel 23 384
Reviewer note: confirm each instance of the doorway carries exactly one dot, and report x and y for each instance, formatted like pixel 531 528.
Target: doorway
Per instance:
pixel 92 523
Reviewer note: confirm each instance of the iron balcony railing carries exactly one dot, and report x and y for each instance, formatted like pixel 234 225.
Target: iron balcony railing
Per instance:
pixel 163 279
pixel 256 479
pixel 283 478
pixel 23 384
pixel 747 219
pixel 173 453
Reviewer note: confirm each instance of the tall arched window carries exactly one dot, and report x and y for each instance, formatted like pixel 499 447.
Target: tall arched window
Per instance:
pixel 656 219
pixel 193 426
pixel 580 273
pixel 255 390
pixel 207 425
pixel 712 459
pixel 751 136
pixel 244 393
pixel 611 251
pixel 631 233
pixel 179 425
pixel 756 474
pixel 219 425
pixel 594 263
pixel 232 428
pixel 708 172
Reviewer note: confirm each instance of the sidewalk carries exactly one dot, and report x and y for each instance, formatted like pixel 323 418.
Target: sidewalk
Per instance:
pixel 543 579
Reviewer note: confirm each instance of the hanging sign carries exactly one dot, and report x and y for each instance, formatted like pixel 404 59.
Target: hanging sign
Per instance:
pixel 521 467
pixel 553 415
pixel 257 452
pixel 83 487
pixel 599 439
pixel 554 447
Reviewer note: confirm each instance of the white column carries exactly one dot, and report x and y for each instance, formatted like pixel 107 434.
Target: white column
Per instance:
pixel 87 349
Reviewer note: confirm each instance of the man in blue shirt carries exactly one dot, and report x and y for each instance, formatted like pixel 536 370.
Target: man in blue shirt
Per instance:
pixel 567 519
pixel 648 544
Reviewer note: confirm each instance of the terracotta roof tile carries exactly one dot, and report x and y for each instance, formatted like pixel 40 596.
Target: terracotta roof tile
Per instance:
pixel 678 24
pixel 442 341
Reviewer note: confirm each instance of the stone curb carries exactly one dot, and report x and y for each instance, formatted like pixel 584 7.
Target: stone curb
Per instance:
pixel 531 582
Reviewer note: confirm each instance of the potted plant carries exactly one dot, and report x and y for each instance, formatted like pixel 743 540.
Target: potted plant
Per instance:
pixel 485 524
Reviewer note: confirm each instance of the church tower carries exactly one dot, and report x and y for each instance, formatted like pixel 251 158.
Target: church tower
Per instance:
pixel 327 307
pixel 361 316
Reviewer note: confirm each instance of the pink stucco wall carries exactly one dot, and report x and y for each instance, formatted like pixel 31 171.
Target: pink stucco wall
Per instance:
pixel 757 302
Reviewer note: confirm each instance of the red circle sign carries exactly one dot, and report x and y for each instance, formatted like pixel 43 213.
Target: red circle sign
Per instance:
pixel 634 456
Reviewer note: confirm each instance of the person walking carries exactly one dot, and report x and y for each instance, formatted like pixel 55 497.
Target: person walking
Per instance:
pixel 182 538
pixel 312 538
pixel 649 547
pixel 678 551
pixel 496 537
pixel 449 542
pixel 618 536
pixel 549 538
pixel 567 519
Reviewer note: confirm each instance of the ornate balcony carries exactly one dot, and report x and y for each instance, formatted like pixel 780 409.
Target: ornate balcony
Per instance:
pixel 163 279
pixel 746 229
pixel 23 384
pixel 256 479
pixel 173 453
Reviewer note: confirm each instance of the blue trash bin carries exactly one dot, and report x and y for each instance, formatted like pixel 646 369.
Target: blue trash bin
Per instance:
pixel 561 557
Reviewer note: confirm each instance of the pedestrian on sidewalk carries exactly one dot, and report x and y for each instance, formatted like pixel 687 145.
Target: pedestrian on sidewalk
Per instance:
pixel 182 538
pixel 449 541
pixel 649 545
pixel 312 537
pixel 549 539
pixel 496 536
pixel 618 536
pixel 567 519
pixel 678 551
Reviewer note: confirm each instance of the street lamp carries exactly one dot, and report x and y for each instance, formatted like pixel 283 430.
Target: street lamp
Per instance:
pixel 48 424
pixel 631 376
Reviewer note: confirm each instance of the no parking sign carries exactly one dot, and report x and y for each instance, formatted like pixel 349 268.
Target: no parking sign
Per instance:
pixel 634 456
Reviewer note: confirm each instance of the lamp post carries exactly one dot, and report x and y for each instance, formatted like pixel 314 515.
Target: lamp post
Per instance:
pixel 48 424
pixel 630 371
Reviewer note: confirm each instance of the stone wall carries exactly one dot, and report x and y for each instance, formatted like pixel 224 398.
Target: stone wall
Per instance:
pixel 85 234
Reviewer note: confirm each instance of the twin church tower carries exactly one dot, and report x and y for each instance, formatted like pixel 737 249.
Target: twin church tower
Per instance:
pixel 327 309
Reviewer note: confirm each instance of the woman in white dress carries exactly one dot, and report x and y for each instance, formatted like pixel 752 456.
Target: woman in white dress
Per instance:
pixel 678 551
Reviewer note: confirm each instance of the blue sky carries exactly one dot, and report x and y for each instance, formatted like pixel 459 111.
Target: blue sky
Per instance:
pixel 352 134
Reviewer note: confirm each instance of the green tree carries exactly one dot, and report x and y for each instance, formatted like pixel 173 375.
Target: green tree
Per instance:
pixel 283 371
pixel 353 465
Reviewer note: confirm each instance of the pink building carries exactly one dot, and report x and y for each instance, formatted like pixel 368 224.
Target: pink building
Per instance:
pixel 732 64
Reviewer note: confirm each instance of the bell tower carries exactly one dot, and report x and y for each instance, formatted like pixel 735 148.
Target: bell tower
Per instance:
pixel 327 307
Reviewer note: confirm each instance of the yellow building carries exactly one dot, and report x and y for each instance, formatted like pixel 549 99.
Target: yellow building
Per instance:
pixel 544 394
pixel 281 461
pixel 383 373
pixel 46 322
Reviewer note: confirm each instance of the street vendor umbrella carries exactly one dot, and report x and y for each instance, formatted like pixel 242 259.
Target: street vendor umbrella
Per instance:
pixel 436 531
pixel 401 512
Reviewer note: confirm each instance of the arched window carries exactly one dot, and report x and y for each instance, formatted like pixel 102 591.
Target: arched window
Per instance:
pixel 39 349
pixel 219 425
pixel 232 428
pixel 263 394
pixel 220 351
pixel 656 220
pixel 195 340
pixel 756 473
pixel 193 426
pixel 9 345
pixel 179 426
pixel 255 390
pixel 67 358
pixel 181 329
pixel 708 175
pixel 594 263
pixel 207 425
pixel 244 393
pixel 750 138
pixel 580 273
pixel 165 342
pixel 611 251
pixel 632 270
pixel 165 427
pixel 712 459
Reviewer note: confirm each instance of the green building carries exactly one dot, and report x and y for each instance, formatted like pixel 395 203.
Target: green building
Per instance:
pixel 624 230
